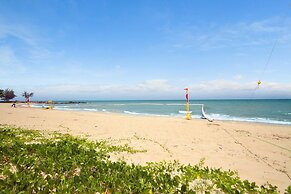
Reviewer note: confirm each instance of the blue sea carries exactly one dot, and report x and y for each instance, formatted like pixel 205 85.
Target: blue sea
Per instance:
pixel 262 111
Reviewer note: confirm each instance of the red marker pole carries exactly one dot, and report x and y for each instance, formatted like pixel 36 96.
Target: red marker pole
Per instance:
pixel 188 114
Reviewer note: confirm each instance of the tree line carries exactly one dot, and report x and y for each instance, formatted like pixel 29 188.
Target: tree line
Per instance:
pixel 8 94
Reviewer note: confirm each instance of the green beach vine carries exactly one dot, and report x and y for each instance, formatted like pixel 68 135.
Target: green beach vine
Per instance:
pixel 37 162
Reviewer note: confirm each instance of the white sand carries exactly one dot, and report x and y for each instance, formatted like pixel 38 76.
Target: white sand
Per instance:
pixel 259 152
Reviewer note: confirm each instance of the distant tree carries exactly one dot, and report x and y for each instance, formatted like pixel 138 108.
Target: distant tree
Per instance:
pixel 8 94
pixel 1 93
pixel 27 95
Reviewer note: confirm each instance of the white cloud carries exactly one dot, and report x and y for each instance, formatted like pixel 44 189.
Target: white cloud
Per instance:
pixel 154 85
pixel 9 63
pixel 28 37
pixel 162 89
pixel 147 89
pixel 234 89
pixel 18 31
pixel 240 34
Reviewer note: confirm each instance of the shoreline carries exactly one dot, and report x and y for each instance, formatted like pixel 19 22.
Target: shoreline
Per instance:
pixel 171 116
pixel 258 151
pixel 258 120
pixel 194 117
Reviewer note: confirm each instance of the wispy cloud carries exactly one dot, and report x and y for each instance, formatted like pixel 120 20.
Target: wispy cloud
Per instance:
pixel 9 63
pixel 27 37
pixel 240 34
pixel 263 26
pixel 236 89
pixel 18 31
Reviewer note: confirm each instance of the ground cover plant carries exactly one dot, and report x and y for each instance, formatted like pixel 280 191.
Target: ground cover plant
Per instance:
pixel 33 162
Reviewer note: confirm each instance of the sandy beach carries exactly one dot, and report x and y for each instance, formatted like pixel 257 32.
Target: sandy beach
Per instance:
pixel 258 152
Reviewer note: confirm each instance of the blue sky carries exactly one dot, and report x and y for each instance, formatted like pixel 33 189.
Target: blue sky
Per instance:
pixel 145 49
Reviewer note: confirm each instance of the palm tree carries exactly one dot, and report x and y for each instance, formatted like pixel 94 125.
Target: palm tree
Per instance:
pixel 27 95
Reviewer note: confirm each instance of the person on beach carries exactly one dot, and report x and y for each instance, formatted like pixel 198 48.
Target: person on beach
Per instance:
pixel 13 105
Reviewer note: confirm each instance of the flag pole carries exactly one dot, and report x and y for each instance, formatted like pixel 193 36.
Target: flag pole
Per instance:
pixel 188 114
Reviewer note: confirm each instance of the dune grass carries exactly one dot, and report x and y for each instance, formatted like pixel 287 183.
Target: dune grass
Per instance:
pixel 34 162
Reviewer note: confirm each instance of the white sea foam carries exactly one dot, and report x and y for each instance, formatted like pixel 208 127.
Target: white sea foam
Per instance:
pixel 184 112
pixel 146 103
pixel 131 113
pixel 245 119
pixel 34 105
pixel 183 104
pixel 173 114
pixel 61 108
pixel 46 105
pixel 145 114
pixel 194 116
pixel 91 109
pixel 153 104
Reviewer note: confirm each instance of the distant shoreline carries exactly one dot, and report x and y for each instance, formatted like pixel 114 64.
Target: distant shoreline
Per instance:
pixel 254 111
pixel 139 100
pixel 43 102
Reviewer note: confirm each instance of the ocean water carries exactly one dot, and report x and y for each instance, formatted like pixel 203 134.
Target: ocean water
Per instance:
pixel 263 111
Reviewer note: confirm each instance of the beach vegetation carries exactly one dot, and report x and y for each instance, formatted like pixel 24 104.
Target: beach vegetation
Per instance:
pixel 7 94
pixel 38 162
pixel 27 95
pixel 1 93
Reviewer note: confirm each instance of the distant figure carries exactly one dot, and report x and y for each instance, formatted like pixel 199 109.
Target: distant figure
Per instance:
pixel 13 105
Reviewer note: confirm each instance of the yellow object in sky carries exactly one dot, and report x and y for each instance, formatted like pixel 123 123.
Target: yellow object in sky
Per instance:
pixel 259 83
